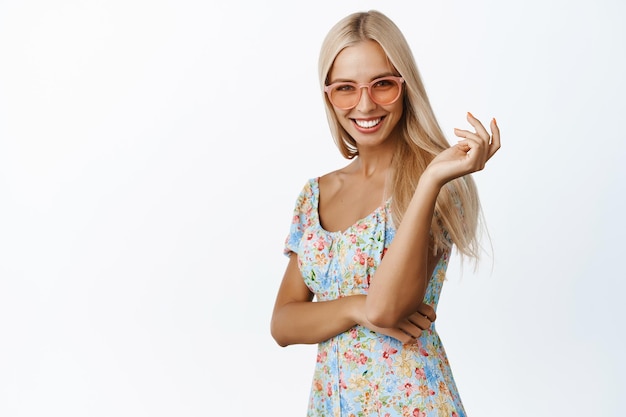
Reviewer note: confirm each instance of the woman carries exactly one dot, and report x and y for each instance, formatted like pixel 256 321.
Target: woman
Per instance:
pixel 371 241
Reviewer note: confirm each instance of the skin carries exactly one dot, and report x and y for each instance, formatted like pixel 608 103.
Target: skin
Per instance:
pixel 392 305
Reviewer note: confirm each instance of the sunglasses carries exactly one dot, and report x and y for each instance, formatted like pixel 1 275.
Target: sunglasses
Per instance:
pixel 383 91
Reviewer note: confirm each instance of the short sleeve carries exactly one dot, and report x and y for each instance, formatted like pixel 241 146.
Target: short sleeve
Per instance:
pixel 301 219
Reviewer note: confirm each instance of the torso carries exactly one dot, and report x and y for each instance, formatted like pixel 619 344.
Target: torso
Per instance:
pixel 359 371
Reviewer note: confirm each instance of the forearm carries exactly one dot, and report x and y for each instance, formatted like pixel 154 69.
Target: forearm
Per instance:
pixel 399 284
pixel 313 322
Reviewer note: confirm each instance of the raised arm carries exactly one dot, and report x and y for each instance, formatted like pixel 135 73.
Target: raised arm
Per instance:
pixel 400 282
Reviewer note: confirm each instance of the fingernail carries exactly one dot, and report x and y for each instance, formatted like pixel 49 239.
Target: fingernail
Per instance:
pixel 470 115
pixel 494 121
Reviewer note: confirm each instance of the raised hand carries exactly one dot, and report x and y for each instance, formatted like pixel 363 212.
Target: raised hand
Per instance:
pixel 469 155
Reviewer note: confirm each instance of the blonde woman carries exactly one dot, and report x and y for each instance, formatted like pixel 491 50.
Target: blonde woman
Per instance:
pixel 369 243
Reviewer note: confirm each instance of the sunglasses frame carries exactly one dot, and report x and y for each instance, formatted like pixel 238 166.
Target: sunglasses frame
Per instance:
pixel 359 87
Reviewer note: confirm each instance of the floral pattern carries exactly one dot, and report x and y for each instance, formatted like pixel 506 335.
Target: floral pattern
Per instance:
pixel 359 372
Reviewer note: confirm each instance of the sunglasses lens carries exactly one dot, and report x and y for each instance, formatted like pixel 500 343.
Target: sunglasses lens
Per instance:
pixel 385 91
pixel 344 95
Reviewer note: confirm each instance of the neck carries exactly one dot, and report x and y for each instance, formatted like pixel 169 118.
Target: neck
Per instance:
pixel 373 161
pixel 371 166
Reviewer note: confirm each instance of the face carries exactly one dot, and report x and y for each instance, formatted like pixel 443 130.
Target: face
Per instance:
pixel 369 123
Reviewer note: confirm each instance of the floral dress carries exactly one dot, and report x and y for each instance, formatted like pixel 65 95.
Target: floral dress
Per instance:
pixel 360 372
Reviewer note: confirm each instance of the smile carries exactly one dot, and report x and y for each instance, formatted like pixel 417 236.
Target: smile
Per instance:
pixel 367 124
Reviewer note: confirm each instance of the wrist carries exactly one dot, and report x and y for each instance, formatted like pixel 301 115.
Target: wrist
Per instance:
pixel 428 188
pixel 429 182
pixel 356 309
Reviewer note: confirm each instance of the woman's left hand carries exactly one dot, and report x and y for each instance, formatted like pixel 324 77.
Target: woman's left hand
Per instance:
pixel 469 155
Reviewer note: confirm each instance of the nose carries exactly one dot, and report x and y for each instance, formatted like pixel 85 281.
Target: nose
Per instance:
pixel 365 104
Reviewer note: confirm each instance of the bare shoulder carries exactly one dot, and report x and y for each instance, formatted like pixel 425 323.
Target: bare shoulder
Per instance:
pixel 329 181
pixel 332 182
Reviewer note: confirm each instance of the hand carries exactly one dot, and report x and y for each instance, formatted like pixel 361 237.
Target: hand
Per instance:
pixel 408 329
pixel 418 321
pixel 469 155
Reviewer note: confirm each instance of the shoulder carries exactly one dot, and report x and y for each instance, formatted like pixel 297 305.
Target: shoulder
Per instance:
pixel 308 196
pixel 331 182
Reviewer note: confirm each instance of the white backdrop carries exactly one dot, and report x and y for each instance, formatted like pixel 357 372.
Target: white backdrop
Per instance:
pixel 151 153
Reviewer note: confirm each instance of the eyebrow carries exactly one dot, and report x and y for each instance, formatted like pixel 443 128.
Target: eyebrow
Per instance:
pixel 346 80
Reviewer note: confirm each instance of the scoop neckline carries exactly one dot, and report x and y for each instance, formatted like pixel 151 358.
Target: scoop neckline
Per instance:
pixel 316 195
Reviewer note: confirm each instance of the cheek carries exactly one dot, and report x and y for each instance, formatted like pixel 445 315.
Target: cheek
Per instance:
pixel 342 117
pixel 399 112
pixel 396 111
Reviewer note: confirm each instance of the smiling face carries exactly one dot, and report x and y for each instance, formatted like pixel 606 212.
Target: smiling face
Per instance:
pixel 368 123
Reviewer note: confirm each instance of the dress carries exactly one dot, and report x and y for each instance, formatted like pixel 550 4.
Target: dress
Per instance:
pixel 361 372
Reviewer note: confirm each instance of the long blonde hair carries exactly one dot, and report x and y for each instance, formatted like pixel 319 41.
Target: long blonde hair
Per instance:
pixel 457 210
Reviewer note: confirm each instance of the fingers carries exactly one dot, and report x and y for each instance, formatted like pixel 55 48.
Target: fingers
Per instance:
pixel 427 311
pixel 476 149
pixel 482 146
pixel 480 129
pixel 495 137
pixel 416 323
pixel 419 321
pixel 414 326
pixel 400 335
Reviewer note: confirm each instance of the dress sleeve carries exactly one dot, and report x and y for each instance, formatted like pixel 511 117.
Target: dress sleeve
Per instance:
pixel 301 219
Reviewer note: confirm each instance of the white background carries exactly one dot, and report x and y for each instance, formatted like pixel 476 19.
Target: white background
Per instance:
pixel 151 153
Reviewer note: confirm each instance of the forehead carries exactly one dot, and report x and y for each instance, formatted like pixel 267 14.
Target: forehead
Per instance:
pixel 362 62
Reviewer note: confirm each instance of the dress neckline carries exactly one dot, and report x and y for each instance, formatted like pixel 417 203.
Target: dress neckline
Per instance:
pixel 316 203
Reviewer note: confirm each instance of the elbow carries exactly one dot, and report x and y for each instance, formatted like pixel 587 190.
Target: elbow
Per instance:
pixel 280 342
pixel 278 336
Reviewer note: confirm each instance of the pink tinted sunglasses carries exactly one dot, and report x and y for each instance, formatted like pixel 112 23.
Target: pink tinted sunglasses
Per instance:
pixel 383 91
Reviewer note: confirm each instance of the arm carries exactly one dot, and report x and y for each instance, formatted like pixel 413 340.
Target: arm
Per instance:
pixel 296 319
pixel 400 282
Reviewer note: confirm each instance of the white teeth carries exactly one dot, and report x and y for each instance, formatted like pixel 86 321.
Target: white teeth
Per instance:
pixel 368 124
